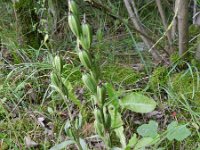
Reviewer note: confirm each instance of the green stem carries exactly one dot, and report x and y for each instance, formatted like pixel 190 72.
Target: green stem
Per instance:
pixel 107 137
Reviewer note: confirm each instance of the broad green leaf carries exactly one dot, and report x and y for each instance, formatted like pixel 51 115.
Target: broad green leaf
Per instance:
pixel 198 148
pixel 62 145
pixel 148 130
pixel 144 142
pixel 138 103
pixel 116 120
pixel 178 132
pixel 112 95
pixel 120 134
pixel 132 142
pixel 117 124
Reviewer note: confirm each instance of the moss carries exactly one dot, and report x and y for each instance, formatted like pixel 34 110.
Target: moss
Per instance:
pixel 194 30
pixel 119 74
pixel 195 62
pixel 158 78
pixel 174 57
pixel 184 83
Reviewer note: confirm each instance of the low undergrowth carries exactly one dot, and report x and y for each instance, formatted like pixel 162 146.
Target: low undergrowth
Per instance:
pixel 96 96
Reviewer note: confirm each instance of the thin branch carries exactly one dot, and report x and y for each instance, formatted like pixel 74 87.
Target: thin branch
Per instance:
pixel 134 9
pixel 106 10
pixel 194 11
pixel 164 21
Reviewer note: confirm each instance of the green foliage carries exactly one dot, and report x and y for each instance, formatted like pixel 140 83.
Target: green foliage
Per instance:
pixel 185 83
pixel 181 79
pixel 4 145
pixel 2 109
pixel 117 74
pixel 174 57
pixel 158 78
pixel 144 142
pixel 194 30
pixel 138 103
pixel 23 4
pixel 27 20
pixel 62 145
pixel 96 106
pixel 104 121
pixel 131 143
pixel 178 132
pixel 150 135
pixel 148 130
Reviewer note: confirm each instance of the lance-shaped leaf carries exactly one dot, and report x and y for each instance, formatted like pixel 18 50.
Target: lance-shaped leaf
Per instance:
pixel 138 103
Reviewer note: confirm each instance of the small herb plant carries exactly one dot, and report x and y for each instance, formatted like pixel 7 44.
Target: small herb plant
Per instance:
pixel 106 101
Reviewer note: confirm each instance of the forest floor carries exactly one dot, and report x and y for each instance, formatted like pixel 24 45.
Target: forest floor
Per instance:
pixel 34 116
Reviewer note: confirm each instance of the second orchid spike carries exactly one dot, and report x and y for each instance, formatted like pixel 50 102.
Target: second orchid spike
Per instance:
pixel 73 7
pixel 74 24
